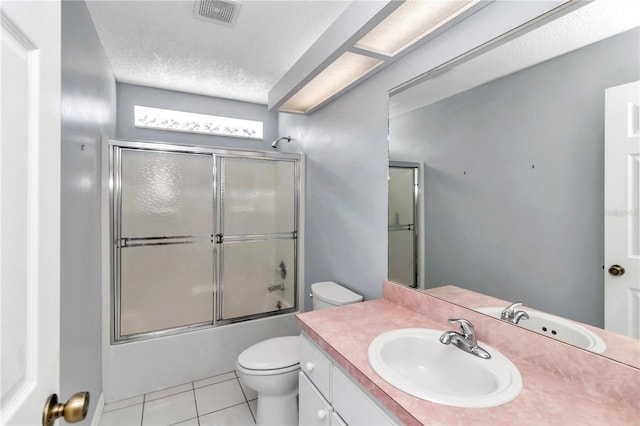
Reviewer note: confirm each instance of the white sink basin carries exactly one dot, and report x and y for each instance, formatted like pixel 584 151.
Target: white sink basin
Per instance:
pixel 414 361
pixel 555 327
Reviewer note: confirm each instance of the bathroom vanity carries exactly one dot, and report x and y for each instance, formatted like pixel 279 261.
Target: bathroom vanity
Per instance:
pixel 329 397
pixel 561 383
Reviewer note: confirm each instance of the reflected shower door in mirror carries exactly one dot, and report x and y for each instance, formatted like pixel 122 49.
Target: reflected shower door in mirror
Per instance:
pixel 512 141
pixel 201 237
pixel 404 192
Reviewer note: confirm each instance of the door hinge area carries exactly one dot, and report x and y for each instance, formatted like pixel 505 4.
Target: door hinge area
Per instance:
pixel 219 238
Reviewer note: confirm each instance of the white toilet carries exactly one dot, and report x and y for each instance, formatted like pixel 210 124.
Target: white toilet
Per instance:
pixel 271 367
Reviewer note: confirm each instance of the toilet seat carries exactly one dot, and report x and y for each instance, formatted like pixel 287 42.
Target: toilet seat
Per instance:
pixel 272 356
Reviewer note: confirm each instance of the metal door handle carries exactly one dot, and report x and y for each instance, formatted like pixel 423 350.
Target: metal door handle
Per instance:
pixel 74 410
pixel 616 270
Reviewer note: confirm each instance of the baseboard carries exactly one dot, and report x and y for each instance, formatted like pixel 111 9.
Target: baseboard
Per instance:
pixel 97 414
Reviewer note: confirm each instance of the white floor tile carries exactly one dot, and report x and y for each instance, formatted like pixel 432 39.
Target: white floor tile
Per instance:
pixel 214 379
pixel 122 403
pixel 127 416
pixel 248 392
pixel 168 391
pixel 190 422
pixel 236 415
pixel 218 396
pixel 253 405
pixel 170 409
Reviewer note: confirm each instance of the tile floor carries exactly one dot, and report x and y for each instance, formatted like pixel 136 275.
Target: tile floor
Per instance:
pixel 217 401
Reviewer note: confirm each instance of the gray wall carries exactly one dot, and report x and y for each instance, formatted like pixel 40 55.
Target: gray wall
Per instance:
pixel 130 95
pixel 346 143
pixel 87 112
pixel 514 180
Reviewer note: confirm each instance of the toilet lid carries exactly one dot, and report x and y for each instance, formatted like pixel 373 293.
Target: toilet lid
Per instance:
pixel 271 354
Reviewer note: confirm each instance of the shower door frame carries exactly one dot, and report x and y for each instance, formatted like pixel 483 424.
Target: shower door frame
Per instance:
pixel 114 147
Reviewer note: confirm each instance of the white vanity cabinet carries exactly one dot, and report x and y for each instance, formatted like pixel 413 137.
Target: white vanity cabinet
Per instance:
pixel 330 397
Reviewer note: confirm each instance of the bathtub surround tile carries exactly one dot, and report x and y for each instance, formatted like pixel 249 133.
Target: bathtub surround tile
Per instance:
pixel 218 396
pixel 168 391
pixel 170 409
pixel 215 379
pixel 116 405
pixel 237 415
pixel 127 416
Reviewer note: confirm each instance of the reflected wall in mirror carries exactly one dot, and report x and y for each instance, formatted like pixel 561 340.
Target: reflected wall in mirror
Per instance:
pixel 514 167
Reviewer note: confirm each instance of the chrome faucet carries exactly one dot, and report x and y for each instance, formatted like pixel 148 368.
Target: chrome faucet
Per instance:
pixel 512 315
pixel 465 340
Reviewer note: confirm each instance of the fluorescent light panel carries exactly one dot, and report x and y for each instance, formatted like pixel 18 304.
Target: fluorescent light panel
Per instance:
pixel 348 68
pixel 409 23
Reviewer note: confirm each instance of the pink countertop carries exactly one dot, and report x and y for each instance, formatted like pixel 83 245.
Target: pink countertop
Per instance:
pixel 563 394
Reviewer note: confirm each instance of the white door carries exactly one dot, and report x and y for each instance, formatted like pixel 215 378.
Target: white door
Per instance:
pixel 622 209
pixel 29 209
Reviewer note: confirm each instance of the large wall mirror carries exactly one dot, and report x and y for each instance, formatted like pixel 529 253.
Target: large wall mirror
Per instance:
pixel 511 143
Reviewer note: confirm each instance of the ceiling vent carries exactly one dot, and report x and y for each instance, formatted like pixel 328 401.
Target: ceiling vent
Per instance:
pixel 218 11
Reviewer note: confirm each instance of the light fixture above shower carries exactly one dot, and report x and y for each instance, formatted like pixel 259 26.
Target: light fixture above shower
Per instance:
pixel 274 145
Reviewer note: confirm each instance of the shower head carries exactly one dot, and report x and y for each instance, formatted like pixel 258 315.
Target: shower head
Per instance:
pixel 274 145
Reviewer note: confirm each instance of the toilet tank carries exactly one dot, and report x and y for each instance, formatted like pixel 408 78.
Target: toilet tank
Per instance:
pixel 328 294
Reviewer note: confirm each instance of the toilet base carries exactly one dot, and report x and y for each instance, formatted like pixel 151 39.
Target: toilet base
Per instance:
pixel 279 410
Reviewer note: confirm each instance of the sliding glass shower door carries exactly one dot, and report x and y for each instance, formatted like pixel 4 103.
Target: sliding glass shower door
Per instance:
pixel 165 244
pixel 201 237
pixel 257 235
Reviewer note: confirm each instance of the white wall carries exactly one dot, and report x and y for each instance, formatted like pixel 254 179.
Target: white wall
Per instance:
pixel 87 112
pixel 346 143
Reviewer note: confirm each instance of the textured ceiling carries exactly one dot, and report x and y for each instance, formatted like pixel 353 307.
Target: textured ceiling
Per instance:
pixel 161 44
pixel 591 23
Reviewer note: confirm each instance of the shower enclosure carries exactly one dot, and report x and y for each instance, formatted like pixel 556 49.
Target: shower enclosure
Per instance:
pixel 201 237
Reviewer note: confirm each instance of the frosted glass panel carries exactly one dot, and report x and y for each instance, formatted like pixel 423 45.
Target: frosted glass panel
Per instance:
pixel 401 261
pixel 165 286
pixel 257 196
pixel 401 196
pixel 166 194
pixel 250 269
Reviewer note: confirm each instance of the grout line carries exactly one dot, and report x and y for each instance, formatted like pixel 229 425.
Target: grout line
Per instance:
pixel 220 409
pixel 144 399
pixel 252 415
pixel 242 390
pixel 196 402
pixel 186 420
pixel 212 384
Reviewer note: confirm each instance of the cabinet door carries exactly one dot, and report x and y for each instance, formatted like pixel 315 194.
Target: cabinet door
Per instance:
pixel 313 408
pixel 316 365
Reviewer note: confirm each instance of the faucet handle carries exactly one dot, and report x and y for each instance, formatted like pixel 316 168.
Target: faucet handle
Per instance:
pixel 465 326
pixel 509 311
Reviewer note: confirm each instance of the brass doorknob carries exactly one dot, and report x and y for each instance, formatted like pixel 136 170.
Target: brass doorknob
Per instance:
pixel 616 270
pixel 74 410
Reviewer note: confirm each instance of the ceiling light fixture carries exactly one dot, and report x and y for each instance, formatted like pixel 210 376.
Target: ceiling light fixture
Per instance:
pixel 410 23
pixel 342 72
pixel 385 38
